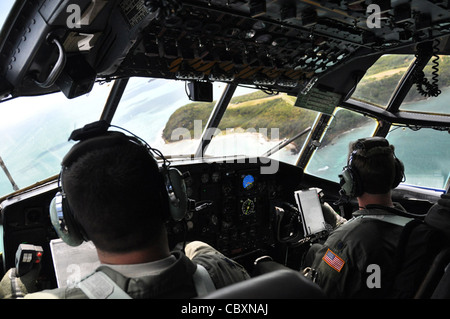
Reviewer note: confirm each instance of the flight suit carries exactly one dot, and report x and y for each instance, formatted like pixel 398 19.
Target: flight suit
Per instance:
pixel 357 259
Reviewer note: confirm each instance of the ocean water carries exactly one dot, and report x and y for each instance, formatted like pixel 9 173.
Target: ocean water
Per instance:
pixel 328 161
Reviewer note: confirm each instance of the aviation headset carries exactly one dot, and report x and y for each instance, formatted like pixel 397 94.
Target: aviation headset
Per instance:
pixel 95 136
pixel 350 180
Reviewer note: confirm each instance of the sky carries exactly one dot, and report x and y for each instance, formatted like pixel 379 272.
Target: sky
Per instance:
pixel 5 7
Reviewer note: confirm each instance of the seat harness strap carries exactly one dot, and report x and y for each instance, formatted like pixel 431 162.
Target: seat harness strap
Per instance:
pixel 99 286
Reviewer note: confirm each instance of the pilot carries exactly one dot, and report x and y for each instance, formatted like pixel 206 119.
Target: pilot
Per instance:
pixel 119 201
pixel 357 258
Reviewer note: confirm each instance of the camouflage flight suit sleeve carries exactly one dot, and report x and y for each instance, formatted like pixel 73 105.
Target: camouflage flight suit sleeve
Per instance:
pixel 223 270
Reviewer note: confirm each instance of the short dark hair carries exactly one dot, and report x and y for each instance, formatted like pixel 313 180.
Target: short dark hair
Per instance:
pixel 117 196
pixel 376 168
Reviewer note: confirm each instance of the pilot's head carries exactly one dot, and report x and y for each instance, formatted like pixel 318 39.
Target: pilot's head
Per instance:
pixel 372 168
pixel 115 192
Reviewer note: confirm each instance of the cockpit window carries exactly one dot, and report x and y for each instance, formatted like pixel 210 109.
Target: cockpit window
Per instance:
pixel 256 122
pixel 160 112
pixel 34 133
pixel 425 153
pixel 417 100
pixel 380 80
pixel 5 8
pixel 330 157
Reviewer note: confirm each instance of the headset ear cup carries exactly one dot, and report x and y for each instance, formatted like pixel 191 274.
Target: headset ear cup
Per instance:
pixel 62 223
pixel 399 173
pixel 177 194
pixel 346 182
pixel 350 182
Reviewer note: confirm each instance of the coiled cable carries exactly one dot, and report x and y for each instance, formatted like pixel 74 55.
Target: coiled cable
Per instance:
pixel 425 87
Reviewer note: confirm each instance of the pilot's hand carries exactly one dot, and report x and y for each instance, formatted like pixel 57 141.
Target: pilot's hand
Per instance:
pixel 331 217
pixel 13 287
pixel 445 201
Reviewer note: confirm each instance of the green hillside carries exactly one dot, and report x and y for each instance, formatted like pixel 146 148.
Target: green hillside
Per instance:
pixel 251 111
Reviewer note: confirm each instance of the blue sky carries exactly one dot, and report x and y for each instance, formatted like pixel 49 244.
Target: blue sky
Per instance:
pixel 5 7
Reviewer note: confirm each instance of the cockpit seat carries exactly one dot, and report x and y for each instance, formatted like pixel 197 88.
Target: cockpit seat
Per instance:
pixel 442 290
pixel 436 284
pixel 278 284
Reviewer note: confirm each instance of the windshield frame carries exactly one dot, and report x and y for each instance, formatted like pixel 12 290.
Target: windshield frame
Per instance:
pixel 214 119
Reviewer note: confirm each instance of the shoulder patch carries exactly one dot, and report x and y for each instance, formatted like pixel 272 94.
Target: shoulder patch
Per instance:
pixel 333 260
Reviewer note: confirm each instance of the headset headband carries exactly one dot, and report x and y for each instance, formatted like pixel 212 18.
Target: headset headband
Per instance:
pixel 90 134
pixel 371 142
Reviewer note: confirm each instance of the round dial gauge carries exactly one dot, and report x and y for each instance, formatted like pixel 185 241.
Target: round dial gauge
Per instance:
pixel 248 207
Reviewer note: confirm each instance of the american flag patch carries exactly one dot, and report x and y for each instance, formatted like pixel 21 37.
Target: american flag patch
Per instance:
pixel 333 260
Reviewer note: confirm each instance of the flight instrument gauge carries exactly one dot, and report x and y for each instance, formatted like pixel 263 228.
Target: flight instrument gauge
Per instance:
pixel 248 182
pixel 248 207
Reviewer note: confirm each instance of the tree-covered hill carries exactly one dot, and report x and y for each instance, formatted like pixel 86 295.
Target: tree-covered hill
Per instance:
pixel 251 111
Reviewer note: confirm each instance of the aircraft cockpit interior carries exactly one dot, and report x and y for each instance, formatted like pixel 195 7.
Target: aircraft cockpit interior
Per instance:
pixel 254 102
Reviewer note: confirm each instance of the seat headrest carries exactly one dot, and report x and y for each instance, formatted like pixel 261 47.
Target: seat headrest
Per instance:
pixel 279 284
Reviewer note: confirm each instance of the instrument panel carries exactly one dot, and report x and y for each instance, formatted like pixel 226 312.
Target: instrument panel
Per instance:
pixel 234 205
pixel 233 210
